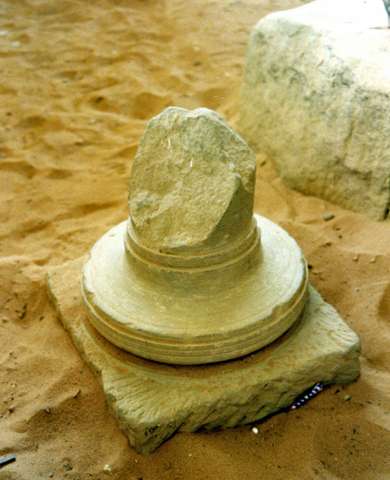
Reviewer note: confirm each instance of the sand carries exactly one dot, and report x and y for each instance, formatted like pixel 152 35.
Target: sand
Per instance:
pixel 78 81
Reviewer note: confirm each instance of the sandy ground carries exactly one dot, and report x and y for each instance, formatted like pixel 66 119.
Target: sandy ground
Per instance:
pixel 78 81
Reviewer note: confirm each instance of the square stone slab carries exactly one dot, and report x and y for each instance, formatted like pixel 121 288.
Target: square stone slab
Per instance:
pixel 152 401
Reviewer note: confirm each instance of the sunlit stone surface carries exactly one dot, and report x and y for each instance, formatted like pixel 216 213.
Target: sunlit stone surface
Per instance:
pixel 315 98
pixel 199 278
pixel 152 401
pixel 209 304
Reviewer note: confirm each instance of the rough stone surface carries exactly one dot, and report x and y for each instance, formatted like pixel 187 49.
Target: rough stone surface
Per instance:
pixel 195 317
pixel 193 277
pixel 316 98
pixel 152 401
pixel 192 182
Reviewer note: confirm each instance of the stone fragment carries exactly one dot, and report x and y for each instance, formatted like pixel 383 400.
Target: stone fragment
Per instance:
pixel 67 466
pixel 192 182
pixel 315 98
pixel 328 216
pixel 152 401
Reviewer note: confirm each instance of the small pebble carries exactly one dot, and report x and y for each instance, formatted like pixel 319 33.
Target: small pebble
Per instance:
pixel 347 398
pixel 107 469
pixel 68 466
pixel 77 393
pixel 47 410
pixel 373 260
pixel 356 258
pixel 255 430
pixel 328 216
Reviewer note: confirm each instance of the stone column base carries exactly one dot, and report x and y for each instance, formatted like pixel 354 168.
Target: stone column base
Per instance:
pixel 152 401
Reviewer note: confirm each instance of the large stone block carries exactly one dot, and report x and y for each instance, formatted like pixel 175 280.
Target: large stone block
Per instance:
pixel 316 99
pixel 152 400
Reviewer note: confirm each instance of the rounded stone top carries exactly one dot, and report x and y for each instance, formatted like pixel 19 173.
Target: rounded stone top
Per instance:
pixel 192 183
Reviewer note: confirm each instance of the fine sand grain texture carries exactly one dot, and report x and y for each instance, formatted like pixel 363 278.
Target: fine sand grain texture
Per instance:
pixel 78 81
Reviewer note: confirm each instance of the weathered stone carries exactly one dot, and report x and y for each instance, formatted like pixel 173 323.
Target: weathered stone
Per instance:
pixel 192 182
pixel 193 277
pixel 195 317
pixel 152 401
pixel 316 99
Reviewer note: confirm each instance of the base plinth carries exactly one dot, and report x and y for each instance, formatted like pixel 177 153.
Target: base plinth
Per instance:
pixel 152 401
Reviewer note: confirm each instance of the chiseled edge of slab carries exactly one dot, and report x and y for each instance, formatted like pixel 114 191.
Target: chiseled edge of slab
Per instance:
pixel 152 401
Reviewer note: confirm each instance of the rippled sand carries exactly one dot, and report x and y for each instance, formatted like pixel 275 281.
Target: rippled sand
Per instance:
pixel 78 81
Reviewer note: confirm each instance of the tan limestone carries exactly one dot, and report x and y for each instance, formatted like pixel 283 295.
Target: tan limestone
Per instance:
pixel 315 100
pixel 192 183
pixel 194 278
pixel 198 278
pixel 152 401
